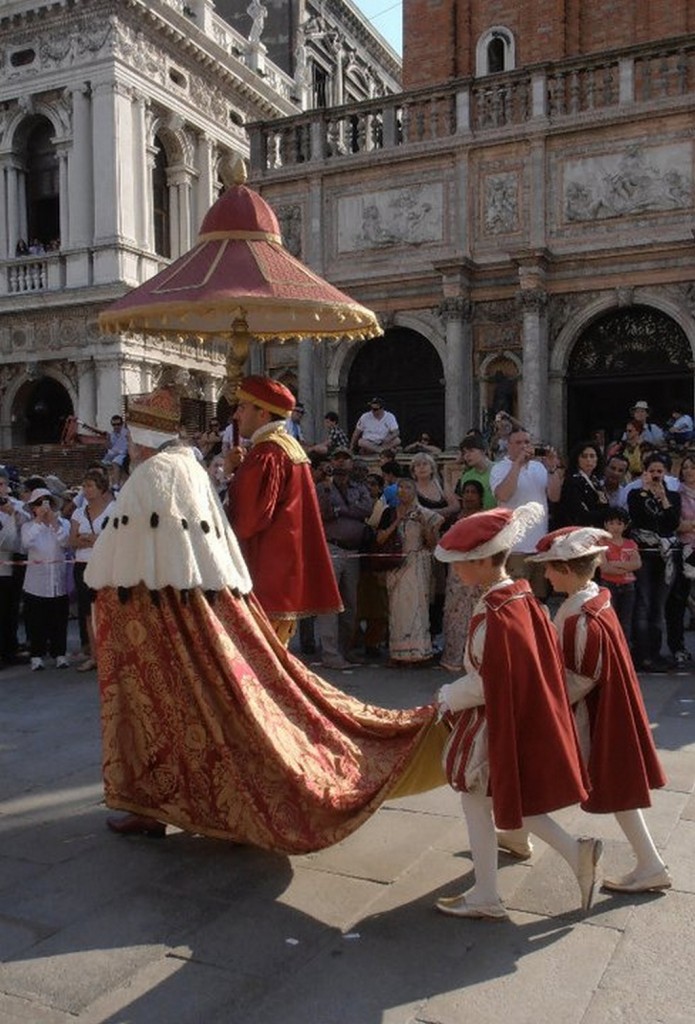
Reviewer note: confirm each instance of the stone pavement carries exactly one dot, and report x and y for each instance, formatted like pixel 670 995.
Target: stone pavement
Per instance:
pixel 101 929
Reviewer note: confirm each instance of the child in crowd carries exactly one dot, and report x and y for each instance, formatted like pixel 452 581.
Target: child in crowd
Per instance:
pixel 513 749
pixel 613 728
pixel 620 561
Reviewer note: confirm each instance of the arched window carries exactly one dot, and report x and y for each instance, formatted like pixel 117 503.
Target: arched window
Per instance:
pixel 495 52
pixel 160 202
pixel 42 185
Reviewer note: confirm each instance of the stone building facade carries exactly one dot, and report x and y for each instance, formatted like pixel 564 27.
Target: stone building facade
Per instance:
pixel 521 217
pixel 117 120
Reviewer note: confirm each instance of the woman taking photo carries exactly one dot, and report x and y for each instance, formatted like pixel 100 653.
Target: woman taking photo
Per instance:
pixel 86 525
pixel 409 585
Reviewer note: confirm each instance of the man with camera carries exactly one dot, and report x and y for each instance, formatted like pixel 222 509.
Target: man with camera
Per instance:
pixel 527 473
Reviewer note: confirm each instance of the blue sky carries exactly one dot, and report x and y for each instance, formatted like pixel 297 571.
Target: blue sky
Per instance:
pixel 387 18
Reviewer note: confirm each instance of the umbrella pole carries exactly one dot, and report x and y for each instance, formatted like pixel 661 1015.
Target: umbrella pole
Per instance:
pixel 237 355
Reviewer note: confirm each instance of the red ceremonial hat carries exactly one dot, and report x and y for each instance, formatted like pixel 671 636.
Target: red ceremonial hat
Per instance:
pixel 486 533
pixel 268 394
pixel 570 542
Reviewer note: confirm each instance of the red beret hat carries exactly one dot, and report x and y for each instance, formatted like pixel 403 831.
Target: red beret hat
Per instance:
pixel 485 533
pixel 267 394
pixel 570 542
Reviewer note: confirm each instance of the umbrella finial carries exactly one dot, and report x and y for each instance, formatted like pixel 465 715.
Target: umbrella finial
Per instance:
pixel 233 170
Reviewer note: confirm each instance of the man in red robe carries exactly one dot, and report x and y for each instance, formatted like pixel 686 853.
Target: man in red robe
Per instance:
pixel 274 512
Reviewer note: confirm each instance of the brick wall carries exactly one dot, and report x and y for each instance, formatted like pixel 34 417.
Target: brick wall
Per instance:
pixel 439 36
pixel 68 463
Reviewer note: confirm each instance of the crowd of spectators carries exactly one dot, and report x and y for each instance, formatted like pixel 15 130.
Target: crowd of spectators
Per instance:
pixel 412 611
pixel 384 510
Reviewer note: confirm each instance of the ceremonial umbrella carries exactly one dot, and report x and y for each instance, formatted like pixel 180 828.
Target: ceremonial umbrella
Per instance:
pixel 238 282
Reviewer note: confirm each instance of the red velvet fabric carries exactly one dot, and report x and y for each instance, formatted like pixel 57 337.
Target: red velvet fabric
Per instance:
pixel 274 512
pixel 535 764
pixel 623 762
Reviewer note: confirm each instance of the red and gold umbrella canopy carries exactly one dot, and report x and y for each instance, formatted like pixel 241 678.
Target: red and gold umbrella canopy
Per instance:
pixel 239 279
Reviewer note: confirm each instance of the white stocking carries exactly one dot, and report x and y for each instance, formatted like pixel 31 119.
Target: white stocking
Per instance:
pixel 483 841
pixel 637 834
pixel 547 829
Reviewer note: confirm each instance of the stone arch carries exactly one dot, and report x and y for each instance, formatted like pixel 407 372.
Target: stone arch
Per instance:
pixel 581 319
pixel 648 354
pixel 38 403
pixel 20 124
pixel 172 140
pixel 385 366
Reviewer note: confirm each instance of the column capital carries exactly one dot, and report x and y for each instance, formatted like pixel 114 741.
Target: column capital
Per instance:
pixel 456 308
pixel 81 89
pixel 532 300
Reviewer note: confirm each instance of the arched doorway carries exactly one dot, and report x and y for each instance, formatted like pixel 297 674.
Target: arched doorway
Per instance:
pixel 622 357
pixel 405 370
pixel 41 407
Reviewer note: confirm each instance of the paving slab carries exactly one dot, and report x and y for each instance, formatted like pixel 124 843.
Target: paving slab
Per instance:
pixel 101 929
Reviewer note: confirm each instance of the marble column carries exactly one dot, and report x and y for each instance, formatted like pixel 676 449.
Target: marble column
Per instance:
pixel 63 192
pixel 109 390
pixel 80 189
pixel 456 313
pixel 87 392
pixel 305 383
pixel 112 125
pixel 534 408
pixel 205 194
pixel 4 226
pixel 13 210
pixel 143 176
pixel 179 181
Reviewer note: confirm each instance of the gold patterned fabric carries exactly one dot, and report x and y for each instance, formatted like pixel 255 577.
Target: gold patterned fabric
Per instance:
pixel 211 725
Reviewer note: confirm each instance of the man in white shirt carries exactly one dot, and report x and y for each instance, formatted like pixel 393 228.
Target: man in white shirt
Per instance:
pixel 515 480
pixel 650 431
pixel 376 430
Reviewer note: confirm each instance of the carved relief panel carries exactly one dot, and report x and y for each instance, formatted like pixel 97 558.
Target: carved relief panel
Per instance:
pixel 400 216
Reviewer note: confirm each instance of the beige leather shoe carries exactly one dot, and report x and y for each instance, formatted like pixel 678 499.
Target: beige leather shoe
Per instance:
pixel 515 846
pixel 456 906
pixel 644 883
pixel 588 875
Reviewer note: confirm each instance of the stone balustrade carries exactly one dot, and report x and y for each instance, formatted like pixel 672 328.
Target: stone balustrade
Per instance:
pixel 28 274
pixel 471 107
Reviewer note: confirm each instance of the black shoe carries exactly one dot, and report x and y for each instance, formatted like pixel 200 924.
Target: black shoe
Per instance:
pixel 372 652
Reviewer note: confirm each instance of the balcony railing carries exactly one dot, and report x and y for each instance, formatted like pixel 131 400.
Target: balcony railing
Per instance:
pixel 31 274
pixel 474 106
